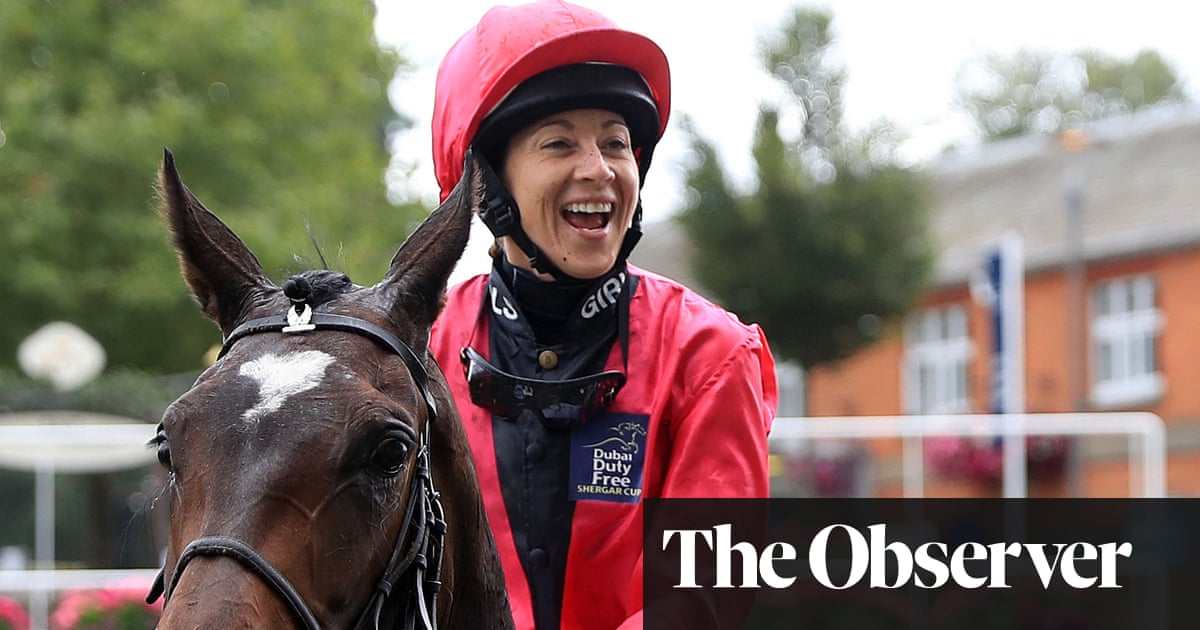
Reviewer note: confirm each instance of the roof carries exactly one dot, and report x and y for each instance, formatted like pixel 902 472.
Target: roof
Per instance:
pixel 1136 181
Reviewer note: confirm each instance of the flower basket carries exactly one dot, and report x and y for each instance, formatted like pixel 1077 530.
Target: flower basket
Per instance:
pixel 982 459
pixel 121 606
pixel 12 615
pixel 834 471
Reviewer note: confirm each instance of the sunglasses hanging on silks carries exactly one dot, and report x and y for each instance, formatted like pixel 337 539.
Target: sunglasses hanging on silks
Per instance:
pixel 559 404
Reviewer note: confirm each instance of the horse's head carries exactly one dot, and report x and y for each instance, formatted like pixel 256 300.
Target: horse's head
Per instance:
pixel 303 463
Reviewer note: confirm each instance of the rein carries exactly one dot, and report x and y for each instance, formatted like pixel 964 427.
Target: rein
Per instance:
pixel 424 522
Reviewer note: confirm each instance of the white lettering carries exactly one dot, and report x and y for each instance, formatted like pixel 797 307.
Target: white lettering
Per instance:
pixel 924 560
pixel 687 553
pixel 749 559
pixel 1077 551
pixel 932 565
pixel 817 557
pixel 505 310
pixel 1037 553
pixel 604 297
pixel 766 564
pixel 1108 562
pixel 998 552
pixel 612 481
pixel 880 549
pixel 958 564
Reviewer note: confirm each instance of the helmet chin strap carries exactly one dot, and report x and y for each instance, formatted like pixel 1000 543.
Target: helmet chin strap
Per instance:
pixel 501 215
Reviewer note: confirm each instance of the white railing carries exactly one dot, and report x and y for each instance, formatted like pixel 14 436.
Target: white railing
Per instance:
pixel 1144 431
pixel 38 586
pixel 57 580
pixel 52 442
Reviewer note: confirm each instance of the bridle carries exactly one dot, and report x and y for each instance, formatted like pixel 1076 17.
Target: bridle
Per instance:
pixel 424 525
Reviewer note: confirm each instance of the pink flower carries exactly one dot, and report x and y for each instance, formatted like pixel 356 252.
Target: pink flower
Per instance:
pixel 12 615
pixel 98 608
pixel 982 459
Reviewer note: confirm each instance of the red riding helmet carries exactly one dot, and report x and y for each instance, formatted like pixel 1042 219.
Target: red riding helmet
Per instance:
pixel 512 45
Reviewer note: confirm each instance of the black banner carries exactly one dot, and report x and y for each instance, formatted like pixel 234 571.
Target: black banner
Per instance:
pixel 979 564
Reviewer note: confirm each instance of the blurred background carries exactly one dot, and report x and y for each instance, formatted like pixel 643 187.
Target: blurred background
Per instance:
pixel 942 214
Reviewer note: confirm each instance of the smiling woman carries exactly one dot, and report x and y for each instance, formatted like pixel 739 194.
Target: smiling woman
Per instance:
pixel 576 177
pixel 586 384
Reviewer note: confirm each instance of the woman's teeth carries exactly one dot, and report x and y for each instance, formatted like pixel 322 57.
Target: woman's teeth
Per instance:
pixel 587 216
pixel 589 208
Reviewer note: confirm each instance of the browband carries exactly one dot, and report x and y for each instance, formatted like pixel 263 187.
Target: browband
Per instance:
pixel 329 321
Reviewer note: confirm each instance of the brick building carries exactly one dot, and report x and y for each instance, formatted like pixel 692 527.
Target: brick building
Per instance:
pixel 1109 218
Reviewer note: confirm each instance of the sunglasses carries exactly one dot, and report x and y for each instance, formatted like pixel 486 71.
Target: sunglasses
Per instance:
pixel 558 403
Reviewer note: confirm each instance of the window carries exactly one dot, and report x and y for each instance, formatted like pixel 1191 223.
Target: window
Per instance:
pixel 1125 328
pixel 936 351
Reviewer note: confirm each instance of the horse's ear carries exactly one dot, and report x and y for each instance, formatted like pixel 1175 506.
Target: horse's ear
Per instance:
pixel 421 267
pixel 222 272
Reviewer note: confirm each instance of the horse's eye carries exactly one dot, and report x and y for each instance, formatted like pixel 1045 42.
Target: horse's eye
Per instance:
pixel 390 456
pixel 163 447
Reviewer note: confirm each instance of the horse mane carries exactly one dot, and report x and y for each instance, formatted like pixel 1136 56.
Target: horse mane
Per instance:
pixel 319 285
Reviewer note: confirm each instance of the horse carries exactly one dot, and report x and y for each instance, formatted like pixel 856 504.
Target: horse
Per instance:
pixel 318 473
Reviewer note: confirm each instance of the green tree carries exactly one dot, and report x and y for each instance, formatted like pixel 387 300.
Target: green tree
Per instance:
pixel 1038 91
pixel 835 240
pixel 276 113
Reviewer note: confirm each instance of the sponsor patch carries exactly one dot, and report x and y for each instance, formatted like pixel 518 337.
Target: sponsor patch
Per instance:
pixel 607 456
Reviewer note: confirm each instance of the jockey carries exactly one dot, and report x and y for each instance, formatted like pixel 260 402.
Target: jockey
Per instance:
pixel 585 383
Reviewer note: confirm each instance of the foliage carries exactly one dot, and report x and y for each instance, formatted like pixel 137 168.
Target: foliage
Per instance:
pixel 102 518
pixel 276 113
pixel 835 241
pixel 120 392
pixel 1035 91
pixel 796 57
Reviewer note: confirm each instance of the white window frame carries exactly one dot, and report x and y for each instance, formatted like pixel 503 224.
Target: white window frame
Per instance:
pixel 1126 330
pixel 937 357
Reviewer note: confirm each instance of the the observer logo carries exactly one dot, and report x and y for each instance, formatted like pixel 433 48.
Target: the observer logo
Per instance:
pixel 892 564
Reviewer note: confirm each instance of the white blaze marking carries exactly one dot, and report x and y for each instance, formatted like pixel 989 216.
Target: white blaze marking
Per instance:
pixel 281 377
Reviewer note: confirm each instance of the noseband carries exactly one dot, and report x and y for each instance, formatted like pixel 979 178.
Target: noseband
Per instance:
pixel 424 524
